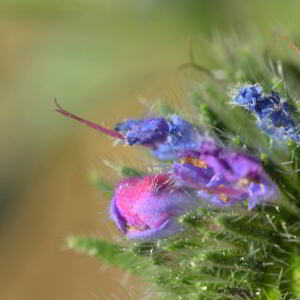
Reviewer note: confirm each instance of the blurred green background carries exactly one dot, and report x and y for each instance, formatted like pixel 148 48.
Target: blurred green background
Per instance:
pixel 97 57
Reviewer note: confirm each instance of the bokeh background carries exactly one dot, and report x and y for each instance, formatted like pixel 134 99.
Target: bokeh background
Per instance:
pixel 99 58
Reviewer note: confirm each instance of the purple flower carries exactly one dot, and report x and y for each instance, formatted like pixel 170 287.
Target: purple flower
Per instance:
pixel 273 114
pixel 231 164
pixel 254 192
pixel 165 137
pixel 148 207
pixel 266 105
pixel 144 132
pixel 248 96
pixel 223 177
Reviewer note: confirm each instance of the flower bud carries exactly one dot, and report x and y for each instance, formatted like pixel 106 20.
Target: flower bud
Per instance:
pixel 148 207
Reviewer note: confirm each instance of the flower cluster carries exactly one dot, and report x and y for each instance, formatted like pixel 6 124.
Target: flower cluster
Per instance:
pixel 273 114
pixel 148 207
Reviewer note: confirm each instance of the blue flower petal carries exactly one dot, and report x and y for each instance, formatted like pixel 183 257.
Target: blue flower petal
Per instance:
pixel 248 96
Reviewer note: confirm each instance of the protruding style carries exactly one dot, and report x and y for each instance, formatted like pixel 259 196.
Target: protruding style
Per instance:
pixel 166 137
pixel 100 128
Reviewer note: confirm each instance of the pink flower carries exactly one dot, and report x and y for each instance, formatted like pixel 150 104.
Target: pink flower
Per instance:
pixel 148 207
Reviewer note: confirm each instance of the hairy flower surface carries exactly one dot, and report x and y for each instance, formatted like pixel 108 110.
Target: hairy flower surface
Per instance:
pixel 273 114
pixel 145 131
pixel 248 96
pixel 240 176
pixel 166 137
pixel 148 207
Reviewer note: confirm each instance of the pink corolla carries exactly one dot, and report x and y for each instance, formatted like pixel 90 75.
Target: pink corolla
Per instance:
pixel 148 207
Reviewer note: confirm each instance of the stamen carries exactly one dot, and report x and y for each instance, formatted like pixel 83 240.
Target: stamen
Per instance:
pixel 102 129
pixel 224 198
pixel 194 161
pixel 243 183
pixel 136 228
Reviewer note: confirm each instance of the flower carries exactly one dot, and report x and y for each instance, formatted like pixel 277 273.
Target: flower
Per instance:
pixel 145 131
pixel 165 137
pixel 223 177
pixel 148 207
pixel 266 105
pixel 254 191
pixel 248 96
pixel 233 165
pixel 273 114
